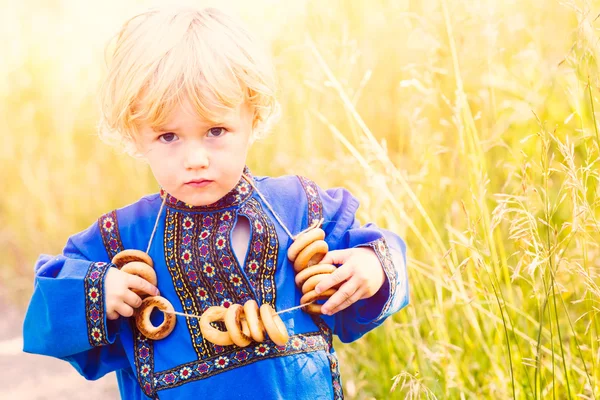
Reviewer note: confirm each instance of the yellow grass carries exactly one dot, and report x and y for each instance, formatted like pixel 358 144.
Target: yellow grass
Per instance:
pixel 466 126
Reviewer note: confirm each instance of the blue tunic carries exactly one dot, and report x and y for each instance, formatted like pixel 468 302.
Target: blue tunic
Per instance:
pixel 197 268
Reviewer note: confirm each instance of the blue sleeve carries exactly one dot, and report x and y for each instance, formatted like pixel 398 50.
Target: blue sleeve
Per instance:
pixel 66 317
pixel 343 231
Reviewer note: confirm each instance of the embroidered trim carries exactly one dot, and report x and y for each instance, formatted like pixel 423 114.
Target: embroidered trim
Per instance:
pixel 94 304
pixel 315 212
pixel 199 257
pixel 109 229
pixel 239 356
pixel 385 258
pixel 261 260
pixel 190 285
pixel 315 205
pixel 242 191
pixel 331 356
pixel 144 361
pixel 143 348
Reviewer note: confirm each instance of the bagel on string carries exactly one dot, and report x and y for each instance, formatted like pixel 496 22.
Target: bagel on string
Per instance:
pixel 313 296
pixel 313 281
pixel 130 255
pixel 233 322
pixel 274 325
pixel 303 240
pixel 313 270
pixel 257 329
pixel 305 253
pixel 144 324
pixel 139 263
pixel 210 333
pixel 311 255
pixel 257 322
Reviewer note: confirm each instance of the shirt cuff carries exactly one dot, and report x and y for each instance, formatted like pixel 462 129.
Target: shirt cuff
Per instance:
pixel 95 307
pixel 377 307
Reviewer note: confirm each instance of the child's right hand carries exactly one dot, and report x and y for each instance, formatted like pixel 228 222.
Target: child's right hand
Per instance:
pixel 120 299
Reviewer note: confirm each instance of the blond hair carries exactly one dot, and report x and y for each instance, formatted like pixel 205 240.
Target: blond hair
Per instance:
pixel 163 56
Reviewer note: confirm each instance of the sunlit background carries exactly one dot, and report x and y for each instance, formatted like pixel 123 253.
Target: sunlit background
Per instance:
pixel 468 127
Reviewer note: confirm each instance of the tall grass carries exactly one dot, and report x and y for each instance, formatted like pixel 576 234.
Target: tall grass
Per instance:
pixel 467 127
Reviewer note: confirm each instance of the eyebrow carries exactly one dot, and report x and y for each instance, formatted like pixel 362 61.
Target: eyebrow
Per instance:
pixel 167 128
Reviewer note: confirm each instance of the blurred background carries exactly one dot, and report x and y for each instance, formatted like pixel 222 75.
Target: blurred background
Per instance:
pixel 468 127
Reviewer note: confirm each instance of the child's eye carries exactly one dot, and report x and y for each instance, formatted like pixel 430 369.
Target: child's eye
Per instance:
pixel 168 137
pixel 216 132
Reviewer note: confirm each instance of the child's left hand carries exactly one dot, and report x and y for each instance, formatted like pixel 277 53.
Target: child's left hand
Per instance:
pixel 360 274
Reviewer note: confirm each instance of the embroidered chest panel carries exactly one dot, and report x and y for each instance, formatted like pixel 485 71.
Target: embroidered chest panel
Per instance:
pixel 206 272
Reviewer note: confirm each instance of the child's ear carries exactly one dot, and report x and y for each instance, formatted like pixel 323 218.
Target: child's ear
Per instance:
pixel 256 128
pixel 134 148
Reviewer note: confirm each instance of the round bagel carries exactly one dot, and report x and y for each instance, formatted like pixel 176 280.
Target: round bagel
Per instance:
pixel 274 325
pixel 233 322
pixel 317 269
pixel 312 282
pixel 311 255
pixel 257 329
pixel 313 308
pixel 144 324
pixel 313 296
pixel 304 240
pixel 210 333
pixel 127 256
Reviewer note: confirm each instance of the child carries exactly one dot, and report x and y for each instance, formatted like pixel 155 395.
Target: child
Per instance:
pixel 189 91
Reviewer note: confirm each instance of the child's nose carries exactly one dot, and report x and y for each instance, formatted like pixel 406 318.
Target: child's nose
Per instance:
pixel 196 156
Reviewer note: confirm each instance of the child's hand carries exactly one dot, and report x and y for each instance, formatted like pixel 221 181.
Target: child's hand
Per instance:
pixel 120 300
pixel 360 273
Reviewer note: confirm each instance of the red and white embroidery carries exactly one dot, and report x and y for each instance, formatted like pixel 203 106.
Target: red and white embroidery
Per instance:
pixel 221 362
pixel 93 294
pixel 145 370
pixel 209 270
pixel 236 280
pixel 185 373
pixel 188 223
pixel 108 224
pixel 94 309
pixel 261 349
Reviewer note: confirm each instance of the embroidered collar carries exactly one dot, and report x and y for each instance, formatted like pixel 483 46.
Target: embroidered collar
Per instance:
pixel 236 196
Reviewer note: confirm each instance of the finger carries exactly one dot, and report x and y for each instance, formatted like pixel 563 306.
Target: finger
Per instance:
pixel 135 282
pixel 337 257
pixel 336 277
pixel 132 299
pixel 112 315
pixel 124 310
pixel 347 295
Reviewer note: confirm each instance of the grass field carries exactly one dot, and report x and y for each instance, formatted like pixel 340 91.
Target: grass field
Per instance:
pixel 468 127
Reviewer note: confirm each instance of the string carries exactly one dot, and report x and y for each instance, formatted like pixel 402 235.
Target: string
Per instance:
pixel 199 316
pixel 293 308
pixel 315 224
pixel 269 206
pixel 156 223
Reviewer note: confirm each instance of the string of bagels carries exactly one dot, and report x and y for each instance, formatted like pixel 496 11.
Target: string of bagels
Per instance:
pixel 244 323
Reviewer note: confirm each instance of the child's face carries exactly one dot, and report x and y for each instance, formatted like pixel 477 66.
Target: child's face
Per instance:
pixel 195 161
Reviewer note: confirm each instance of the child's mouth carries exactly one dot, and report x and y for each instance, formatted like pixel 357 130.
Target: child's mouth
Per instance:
pixel 199 183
